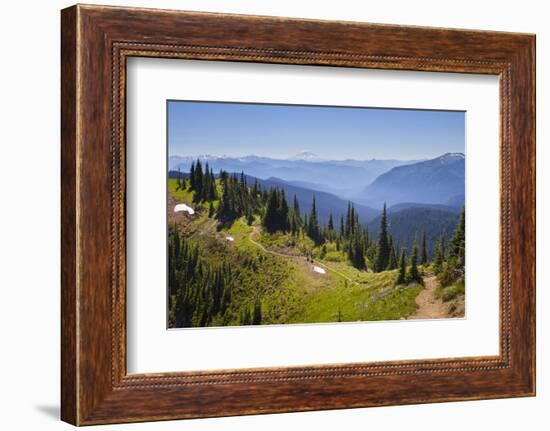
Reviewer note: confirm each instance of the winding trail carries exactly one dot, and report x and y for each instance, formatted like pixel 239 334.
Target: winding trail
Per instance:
pixel 429 307
pixel 255 230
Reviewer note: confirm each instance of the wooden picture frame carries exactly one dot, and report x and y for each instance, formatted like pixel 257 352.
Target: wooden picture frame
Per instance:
pixel 95 43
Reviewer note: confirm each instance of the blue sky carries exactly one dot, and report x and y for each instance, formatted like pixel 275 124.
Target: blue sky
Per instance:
pixel 282 131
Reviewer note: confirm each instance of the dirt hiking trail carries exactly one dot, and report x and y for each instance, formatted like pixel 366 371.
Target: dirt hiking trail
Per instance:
pixel 429 307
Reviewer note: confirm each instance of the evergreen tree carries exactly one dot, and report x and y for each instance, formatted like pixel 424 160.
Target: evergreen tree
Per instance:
pixel 212 192
pixel 356 249
pixel 330 223
pixel 313 224
pixel 271 217
pixel 392 261
pixel 243 179
pixel 439 253
pixel 178 180
pixel 413 271
pixel 383 250
pixel 206 183
pixel 424 255
pixel 457 244
pixel 349 221
pixel 296 207
pixel 295 218
pixel 199 182
pixel 283 212
pixel 401 277
pixel 192 176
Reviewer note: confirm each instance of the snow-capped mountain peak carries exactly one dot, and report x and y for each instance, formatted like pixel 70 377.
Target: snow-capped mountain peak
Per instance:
pixel 306 155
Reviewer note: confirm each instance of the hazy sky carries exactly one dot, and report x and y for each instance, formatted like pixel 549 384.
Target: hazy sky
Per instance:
pixel 282 131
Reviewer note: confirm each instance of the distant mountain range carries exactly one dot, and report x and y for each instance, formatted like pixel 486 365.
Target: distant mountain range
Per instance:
pixel 345 178
pixel 436 181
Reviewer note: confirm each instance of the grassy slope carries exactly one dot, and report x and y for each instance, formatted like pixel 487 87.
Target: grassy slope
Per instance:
pixel 291 292
pixel 453 295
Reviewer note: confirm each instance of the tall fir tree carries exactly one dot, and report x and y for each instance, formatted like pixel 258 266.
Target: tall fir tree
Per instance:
pixel 313 224
pixel 192 176
pixel 356 249
pixel 296 206
pixel 383 249
pixel 457 244
pixel 392 261
pixel 414 275
pixel 271 218
pixel 283 212
pixel 198 182
pixel 213 194
pixel 439 254
pixel 402 276
pixel 330 225
pixel 424 254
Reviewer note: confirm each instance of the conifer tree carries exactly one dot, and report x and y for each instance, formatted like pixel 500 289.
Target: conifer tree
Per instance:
pixel 283 212
pixel 270 220
pixel 296 207
pixel 383 250
pixel 198 182
pixel 349 222
pixel 198 175
pixel 206 183
pixel 424 255
pixel 213 194
pixel 295 218
pixel 392 261
pixel 192 176
pixel 313 224
pixel 413 271
pixel 457 244
pixel 330 223
pixel 439 253
pixel 401 277
pixel 356 250
pixel 178 180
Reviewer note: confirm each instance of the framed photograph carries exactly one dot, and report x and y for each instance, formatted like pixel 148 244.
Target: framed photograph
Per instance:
pixel 324 215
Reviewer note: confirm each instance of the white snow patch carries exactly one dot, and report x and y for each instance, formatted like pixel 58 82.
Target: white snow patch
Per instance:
pixel 182 207
pixel 319 270
pixel 230 238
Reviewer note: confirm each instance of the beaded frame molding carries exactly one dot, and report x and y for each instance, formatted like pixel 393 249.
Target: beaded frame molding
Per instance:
pixel 95 43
